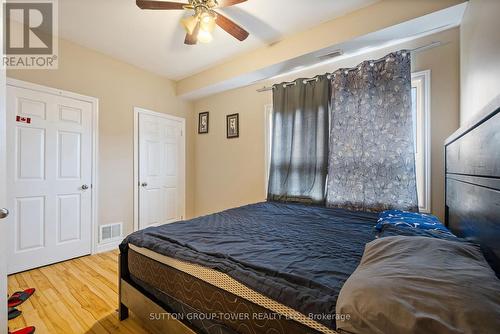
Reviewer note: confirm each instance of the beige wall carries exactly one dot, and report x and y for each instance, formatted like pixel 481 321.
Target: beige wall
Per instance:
pixel 221 173
pixel 229 173
pixel 480 57
pixel 119 87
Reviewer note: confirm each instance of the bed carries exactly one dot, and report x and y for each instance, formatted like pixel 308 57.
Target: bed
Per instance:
pixel 273 264
pixel 278 268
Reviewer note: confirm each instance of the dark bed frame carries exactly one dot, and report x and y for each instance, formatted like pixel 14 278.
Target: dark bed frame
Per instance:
pixel 473 183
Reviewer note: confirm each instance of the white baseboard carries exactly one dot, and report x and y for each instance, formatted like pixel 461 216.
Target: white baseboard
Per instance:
pixel 108 246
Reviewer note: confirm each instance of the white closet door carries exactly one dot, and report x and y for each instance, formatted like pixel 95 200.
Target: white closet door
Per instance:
pixel 49 175
pixel 160 170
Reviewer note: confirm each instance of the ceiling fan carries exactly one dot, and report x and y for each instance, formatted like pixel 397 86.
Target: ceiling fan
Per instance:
pixel 201 24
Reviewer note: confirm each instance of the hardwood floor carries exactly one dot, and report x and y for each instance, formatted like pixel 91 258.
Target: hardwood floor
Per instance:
pixel 76 296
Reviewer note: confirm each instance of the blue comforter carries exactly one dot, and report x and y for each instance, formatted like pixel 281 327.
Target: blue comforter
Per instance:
pixel 297 255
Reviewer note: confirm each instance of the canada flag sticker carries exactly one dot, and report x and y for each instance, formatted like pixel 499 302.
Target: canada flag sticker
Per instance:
pixel 21 119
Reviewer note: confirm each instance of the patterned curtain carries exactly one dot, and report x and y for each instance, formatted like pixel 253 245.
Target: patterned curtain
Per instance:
pixel 372 161
pixel 299 157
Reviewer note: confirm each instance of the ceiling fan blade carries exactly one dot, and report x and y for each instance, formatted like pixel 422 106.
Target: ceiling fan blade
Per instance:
pixel 150 4
pixel 192 39
pixel 227 3
pixel 232 28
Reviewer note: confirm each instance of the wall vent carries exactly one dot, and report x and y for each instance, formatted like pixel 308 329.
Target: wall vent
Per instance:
pixel 110 232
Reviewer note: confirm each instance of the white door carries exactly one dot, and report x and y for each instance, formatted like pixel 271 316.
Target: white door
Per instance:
pixel 161 170
pixel 49 154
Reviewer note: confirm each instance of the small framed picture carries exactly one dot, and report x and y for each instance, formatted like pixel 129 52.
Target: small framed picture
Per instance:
pixel 203 122
pixel 233 126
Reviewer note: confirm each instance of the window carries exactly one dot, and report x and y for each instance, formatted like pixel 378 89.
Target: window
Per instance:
pixel 420 95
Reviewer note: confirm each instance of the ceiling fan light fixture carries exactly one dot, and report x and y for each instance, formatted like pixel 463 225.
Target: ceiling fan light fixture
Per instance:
pixel 189 23
pixel 205 36
pixel 201 25
pixel 207 22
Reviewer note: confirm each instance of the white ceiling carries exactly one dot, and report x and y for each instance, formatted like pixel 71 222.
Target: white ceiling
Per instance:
pixel 154 40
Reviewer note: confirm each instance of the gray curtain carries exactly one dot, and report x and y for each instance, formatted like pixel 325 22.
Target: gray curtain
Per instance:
pixel 372 161
pixel 299 157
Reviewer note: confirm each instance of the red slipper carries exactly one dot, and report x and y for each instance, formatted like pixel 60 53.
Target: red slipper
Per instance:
pixel 14 313
pixel 20 297
pixel 27 330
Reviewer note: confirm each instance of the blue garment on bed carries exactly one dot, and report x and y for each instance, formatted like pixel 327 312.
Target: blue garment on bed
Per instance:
pixel 295 254
pixel 409 219
pixel 396 222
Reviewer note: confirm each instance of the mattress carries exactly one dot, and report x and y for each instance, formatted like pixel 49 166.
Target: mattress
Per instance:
pixel 212 302
pixel 289 259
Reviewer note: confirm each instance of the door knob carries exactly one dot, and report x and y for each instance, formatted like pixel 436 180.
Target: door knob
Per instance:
pixel 4 213
pixel 144 184
pixel 85 187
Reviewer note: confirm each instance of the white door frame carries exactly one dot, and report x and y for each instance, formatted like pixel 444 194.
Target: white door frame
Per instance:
pixel 182 172
pixel 3 192
pixel 424 80
pixel 95 147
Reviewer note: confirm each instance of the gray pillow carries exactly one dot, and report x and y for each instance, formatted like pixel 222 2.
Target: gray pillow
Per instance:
pixel 420 285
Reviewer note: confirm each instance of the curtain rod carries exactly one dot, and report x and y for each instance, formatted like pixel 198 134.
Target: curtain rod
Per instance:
pixel 415 50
